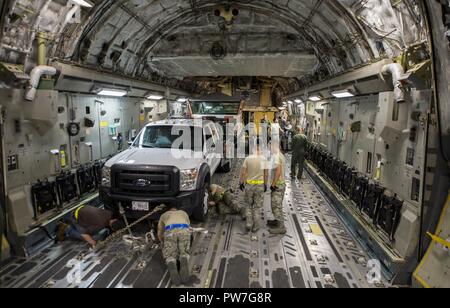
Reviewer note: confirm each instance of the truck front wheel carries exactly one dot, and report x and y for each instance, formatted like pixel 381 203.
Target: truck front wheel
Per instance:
pixel 226 168
pixel 201 210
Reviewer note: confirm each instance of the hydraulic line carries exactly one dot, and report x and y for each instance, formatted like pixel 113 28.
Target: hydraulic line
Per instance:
pixel 436 85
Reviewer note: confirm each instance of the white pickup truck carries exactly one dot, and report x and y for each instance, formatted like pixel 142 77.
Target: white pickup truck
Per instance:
pixel 157 170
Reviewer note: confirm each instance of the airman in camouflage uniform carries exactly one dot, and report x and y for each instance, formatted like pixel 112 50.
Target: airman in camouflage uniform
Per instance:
pixel 254 182
pixel 299 143
pixel 225 202
pixel 278 189
pixel 254 198
pixel 174 233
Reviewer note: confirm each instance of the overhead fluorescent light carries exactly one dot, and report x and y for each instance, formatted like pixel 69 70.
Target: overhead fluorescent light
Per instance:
pixel 315 98
pixel 83 3
pixel 112 92
pixel 155 97
pixel 291 103
pixel 285 103
pixel 182 100
pixel 342 94
pixel 298 101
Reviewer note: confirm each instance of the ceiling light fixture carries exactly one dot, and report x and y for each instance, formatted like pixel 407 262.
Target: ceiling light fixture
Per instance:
pixel 315 98
pixel 155 97
pixel 298 101
pixel 182 100
pixel 342 94
pixel 83 3
pixel 112 92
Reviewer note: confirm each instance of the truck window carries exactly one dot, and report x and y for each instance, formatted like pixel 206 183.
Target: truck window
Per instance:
pixel 209 134
pixel 164 137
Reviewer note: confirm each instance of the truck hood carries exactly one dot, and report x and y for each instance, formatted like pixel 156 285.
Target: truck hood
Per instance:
pixel 156 157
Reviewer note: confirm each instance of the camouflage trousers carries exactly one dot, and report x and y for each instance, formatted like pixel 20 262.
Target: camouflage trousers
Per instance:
pixel 277 203
pixel 229 205
pixel 254 198
pixel 297 161
pixel 177 244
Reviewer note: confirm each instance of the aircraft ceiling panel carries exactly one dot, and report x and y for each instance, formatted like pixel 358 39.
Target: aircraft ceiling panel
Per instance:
pixel 124 37
pixel 290 65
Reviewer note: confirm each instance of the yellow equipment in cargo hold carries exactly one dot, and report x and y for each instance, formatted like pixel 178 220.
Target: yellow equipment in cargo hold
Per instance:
pixel 430 273
pixel 258 114
pixel 4 245
pixel 63 159
pixel 4 248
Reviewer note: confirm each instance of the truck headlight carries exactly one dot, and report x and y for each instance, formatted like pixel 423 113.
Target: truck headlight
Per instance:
pixel 188 179
pixel 106 177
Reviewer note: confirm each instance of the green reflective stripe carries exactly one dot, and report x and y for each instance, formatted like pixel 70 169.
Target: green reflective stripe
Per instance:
pixel 255 182
pixel 77 212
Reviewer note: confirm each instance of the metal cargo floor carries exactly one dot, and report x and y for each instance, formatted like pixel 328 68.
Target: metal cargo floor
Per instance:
pixel 317 252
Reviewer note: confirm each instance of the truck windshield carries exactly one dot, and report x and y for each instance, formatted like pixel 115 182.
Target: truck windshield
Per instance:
pixel 168 137
pixel 215 108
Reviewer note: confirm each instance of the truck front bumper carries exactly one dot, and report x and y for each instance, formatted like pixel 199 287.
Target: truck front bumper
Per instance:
pixel 186 201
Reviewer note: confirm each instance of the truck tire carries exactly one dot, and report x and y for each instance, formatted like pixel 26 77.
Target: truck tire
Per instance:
pixel 109 205
pixel 201 210
pixel 112 208
pixel 226 168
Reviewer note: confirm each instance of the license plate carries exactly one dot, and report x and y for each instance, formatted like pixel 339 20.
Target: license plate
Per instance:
pixel 140 206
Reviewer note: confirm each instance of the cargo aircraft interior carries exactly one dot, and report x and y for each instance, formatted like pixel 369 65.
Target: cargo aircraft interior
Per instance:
pixel 340 110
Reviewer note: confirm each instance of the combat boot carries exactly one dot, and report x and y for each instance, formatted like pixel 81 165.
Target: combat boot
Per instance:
pixel 61 234
pixel 249 220
pixel 185 274
pixel 174 274
pixel 256 224
pixel 243 214
pixel 278 229
pixel 272 223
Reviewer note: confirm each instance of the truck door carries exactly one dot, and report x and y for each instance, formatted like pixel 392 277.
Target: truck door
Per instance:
pixel 210 147
pixel 218 136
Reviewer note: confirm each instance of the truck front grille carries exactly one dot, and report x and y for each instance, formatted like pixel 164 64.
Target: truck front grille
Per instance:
pixel 145 180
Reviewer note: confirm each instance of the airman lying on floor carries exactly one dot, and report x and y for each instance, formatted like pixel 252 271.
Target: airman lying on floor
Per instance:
pixel 225 201
pixel 89 224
